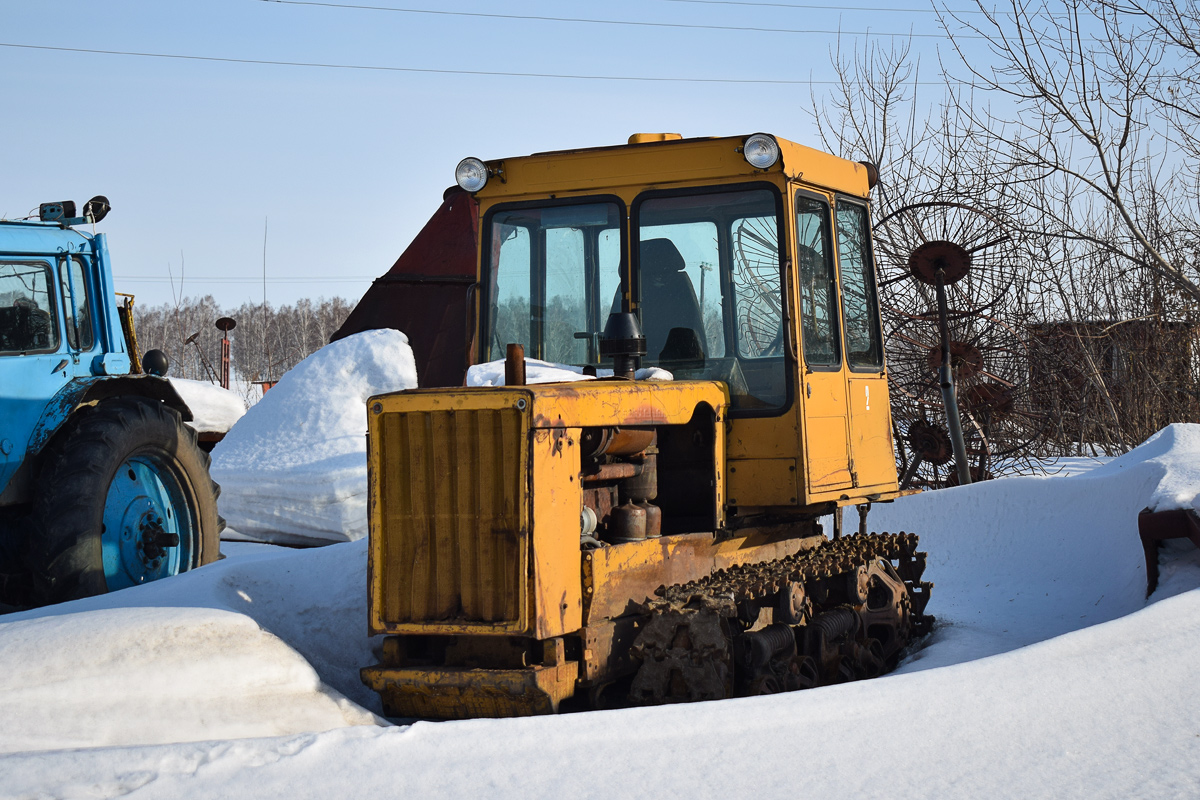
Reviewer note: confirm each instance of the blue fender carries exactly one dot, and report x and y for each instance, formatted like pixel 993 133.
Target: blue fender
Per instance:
pixel 59 409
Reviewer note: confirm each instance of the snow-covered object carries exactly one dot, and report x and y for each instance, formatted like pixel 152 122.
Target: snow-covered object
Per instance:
pixel 294 468
pixel 192 658
pixel 1180 487
pixel 538 371
pixel 214 409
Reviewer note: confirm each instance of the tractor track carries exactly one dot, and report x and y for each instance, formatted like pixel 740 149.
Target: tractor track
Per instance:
pixel 841 611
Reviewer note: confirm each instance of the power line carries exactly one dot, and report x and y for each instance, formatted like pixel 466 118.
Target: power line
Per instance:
pixel 427 70
pixel 588 21
pixel 825 7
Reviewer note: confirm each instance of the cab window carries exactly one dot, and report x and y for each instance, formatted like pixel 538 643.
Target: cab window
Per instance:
pixel 818 283
pixel 73 288
pixel 860 308
pixel 708 271
pixel 28 323
pixel 550 267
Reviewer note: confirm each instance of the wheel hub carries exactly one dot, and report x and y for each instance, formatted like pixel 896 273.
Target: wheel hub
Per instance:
pixel 141 539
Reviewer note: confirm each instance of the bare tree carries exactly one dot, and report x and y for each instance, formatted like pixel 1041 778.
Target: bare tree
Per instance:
pixel 266 342
pixel 1095 100
pixel 1078 138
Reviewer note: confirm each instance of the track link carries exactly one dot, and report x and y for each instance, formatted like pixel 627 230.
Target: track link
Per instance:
pixel 841 611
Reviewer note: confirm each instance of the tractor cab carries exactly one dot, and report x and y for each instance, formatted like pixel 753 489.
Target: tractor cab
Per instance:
pixel 745 260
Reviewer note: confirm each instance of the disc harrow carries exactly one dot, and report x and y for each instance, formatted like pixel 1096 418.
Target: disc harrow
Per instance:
pixel 841 611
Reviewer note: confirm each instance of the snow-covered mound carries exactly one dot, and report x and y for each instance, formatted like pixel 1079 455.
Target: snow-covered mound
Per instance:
pixel 294 468
pixel 149 675
pixel 1024 559
pixel 204 655
pixel 1180 488
pixel 214 409
pixel 538 371
pixel 1107 712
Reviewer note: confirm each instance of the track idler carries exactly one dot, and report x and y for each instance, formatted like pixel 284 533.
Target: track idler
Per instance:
pixel 843 611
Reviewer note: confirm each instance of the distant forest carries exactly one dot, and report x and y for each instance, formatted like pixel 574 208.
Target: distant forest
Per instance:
pixel 267 342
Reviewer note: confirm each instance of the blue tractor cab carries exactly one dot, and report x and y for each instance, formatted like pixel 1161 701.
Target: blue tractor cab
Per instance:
pixel 102 486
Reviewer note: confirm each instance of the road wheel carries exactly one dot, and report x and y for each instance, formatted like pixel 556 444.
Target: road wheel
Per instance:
pixel 124 498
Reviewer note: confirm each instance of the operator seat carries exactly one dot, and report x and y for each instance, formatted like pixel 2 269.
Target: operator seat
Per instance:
pixel 671 317
pixel 24 327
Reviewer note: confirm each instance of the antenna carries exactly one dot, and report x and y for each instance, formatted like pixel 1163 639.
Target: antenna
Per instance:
pixel 266 346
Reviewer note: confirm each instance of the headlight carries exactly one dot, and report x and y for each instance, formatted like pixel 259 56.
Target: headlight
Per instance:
pixel 471 174
pixel 761 151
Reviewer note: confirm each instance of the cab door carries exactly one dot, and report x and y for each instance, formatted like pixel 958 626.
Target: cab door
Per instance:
pixel 76 308
pixel 33 362
pixel 822 389
pixel 871 456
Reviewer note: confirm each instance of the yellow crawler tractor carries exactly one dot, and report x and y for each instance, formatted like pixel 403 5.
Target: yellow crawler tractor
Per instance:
pixel 626 540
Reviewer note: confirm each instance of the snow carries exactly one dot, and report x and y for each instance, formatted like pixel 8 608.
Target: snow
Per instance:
pixel 214 409
pixel 1047 675
pixel 293 470
pixel 538 371
pixel 1180 488
pixel 232 650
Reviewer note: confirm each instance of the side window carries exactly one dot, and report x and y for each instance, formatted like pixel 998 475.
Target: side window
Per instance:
pixel 565 310
pixel 27 318
pixel 860 307
pixel 73 288
pixel 818 288
pixel 512 259
pixel 552 269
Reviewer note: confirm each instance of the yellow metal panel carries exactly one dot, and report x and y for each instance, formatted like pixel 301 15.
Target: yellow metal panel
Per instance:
pixel 659 164
pixel 819 169
pixel 464 693
pixel 620 402
pixel 598 169
pixel 765 437
pixel 449 517
pixel 827 454
pixel 763 482
pixel 871 431
pixel 557 500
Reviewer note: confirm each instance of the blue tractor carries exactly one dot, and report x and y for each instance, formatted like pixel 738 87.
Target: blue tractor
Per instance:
pixel 102 486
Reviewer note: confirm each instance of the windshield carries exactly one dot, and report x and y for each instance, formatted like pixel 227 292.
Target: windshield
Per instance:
pixel 550 267
pixel 26 308
pixel 710 271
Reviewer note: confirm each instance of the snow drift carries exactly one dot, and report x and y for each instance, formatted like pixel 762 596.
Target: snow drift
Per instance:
pixel 294 468
pixel 214 409
pixel 231 650
pixel 146 676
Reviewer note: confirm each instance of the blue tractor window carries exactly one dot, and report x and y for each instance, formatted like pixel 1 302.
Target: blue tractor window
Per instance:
pixel 27 319
pixel 73 286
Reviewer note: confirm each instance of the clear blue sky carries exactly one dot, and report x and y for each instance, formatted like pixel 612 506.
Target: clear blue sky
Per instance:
pixel 347 164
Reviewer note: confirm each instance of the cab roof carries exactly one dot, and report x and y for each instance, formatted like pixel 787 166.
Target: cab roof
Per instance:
pixel 658 163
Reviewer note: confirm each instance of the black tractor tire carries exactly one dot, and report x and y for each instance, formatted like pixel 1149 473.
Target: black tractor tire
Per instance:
pixel 79 468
